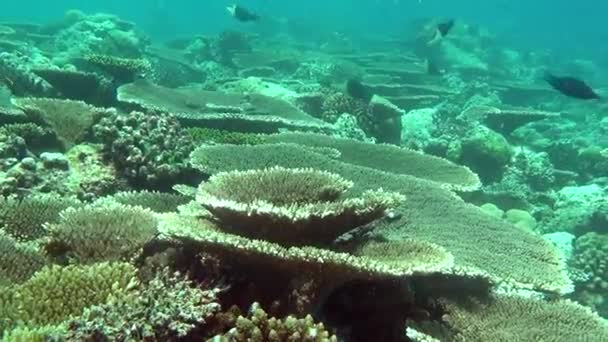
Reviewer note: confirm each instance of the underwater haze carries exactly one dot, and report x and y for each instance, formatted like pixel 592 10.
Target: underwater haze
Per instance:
pixel 373 170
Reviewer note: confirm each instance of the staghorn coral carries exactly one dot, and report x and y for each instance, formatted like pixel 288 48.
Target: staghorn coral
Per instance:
pixel 18 262
pixel 259 327
pixel 70 120
pixel 165 309
pixel 149 150
pixel 24 218
pixel 105 232
pixel 159 202
pixel 520 258
pixel 506 318
pixel 296 207
pixel 54 294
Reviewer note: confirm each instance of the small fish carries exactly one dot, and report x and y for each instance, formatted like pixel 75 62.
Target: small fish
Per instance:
pixel 441 30
pixel 242 14
pixel 572 87
pixel 358 90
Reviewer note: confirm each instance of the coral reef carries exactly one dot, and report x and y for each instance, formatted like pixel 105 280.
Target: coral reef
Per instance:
pixel 258 326
pixel 565 320
pixel 589 262
pixel 525 258
pixel 55 293
pixel 24 218
pixel 104 232
pixel 293 206
pixel 168 307
pixel 18 261
pixel 70 120
pixel 148 150
pixel 237 187
pixel 159 202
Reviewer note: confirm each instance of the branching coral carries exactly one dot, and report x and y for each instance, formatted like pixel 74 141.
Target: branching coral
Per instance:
pixel 24 218
pixel 150 150
pixel 56 293
pixel 296 207
pixel 18 261
pixel 71 120
pixel 164 309
pixel 105 232
pixel 259 327
pixel 120 69
pixel 34 334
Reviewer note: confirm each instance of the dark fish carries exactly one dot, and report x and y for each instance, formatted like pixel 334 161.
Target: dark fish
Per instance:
pixel 441 30
pixel 571 86
pixel 242 14
pixel 358 90
pixel 444 27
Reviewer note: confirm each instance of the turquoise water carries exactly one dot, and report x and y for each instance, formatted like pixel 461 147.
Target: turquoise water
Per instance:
pixel 358 171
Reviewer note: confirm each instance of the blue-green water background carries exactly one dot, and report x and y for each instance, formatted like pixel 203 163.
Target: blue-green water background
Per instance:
pixel 568 28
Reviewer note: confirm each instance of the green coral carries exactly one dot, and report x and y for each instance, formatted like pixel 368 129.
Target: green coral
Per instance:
pixel 18 262
pixel 34 334
pixel 24 218
pixel 258 326
pixel 202 135
pixel 166 308
pixel 297 207
pixel 121 69
pixel 506 318
pixel 55 293
pixel 150 150
pixel 507 253
pixel 70 119
pixel 105 232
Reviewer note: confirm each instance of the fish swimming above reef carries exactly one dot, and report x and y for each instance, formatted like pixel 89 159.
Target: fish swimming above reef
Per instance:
pixel 242 14
pixel 441 30
pixel 571 86
pixel 358 90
